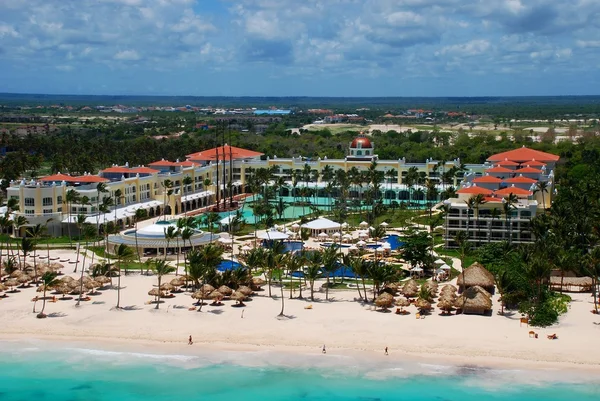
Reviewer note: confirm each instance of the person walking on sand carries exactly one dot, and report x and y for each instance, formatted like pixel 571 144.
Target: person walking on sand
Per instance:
pixel 190 342
pixel 386 351
pixel 324 350
pixel 242 313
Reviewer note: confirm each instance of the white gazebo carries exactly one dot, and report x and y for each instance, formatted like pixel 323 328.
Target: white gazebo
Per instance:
pixel 364 224
pixel 322 225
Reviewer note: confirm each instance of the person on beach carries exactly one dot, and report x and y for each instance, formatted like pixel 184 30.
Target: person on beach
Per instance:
pixel 190 342
pixel 386 351
pixel 242 313
pixel 324 351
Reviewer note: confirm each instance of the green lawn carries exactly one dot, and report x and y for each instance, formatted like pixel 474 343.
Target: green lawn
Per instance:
pixel 45 240
pixel 395 218
pixel 469 259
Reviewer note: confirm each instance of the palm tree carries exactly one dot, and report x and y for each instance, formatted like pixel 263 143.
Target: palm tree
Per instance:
pixel 105 208
pixel 161 268
pixel 294 263
pixel 87 232
pixel 186 182
pixel 27 247
pixel 542 187
pixel 390 175
pixel 123 253
pixel 48 281
pixel 5 222
pixel 186 234
pixel 118 194
pixel 140 214
pixel 445 210
pixel 35 233
pixel 71 197
pixel 170 234
pixel 478 200
pixel 313 271
pixel 592 269
pixel 494 214
pixel 100 188
pixel 167 192
pixel 79 222
pixel 470 205
pixel 204 261
pixel 329 258
pixel 508 204
pixel 211 219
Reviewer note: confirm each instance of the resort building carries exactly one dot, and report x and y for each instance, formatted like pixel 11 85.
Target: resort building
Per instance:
pixel 176 187
pixel 510 192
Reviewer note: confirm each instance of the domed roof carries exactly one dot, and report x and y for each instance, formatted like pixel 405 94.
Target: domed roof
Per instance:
pixel 363 140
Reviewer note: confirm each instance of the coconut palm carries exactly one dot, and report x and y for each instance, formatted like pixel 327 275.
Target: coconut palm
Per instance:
pixel 508 204
pixel 470 206
pixel 170 234
pixel 71 197
pixel 118 195
pixel 123 253
pixel 167 192
pixel 210 220
pixel 27 247
pixel 100 188
pixel 140 214
pixel 35 233
pixel 161 268
pixel 542 187
pixel 329 259
pixel 478 200
pixel 313 271
pixel 79 222
pixel 87 232
pixel 48 281
pixel 494 214
pixel 203 262
pixel 294 263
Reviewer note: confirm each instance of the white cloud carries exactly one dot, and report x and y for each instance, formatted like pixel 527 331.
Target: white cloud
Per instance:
pixel 588 43
pixel 127 55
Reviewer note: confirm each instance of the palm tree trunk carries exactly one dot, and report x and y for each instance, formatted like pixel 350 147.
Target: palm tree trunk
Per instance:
pixel 136 243
pixel 158 295
pixel 81 280
pixel 119 286
pixel 282 297
pixel 327 288
pixel 43 303
pixel 312 290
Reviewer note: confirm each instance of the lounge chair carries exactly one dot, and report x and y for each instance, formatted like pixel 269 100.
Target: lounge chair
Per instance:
pixel 552 337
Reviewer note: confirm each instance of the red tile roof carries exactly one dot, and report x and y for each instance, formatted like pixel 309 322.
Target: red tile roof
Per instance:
pixel 533 163
pixel 56 177
pixel 127 170
pixel 488 179
pixel 186 163
pixel 524 154
pixel 512 190
pixel 492 199
pixel 499 170
pixel 236 153
pixel 89 179
pixel 520 180
pixel 143 170
pixel 529 170
pixel 506 163
pixel 163 163
pixel 475 190
pixel 69 178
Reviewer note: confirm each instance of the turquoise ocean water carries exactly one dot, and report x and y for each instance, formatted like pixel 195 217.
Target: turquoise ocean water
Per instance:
pixel 70 374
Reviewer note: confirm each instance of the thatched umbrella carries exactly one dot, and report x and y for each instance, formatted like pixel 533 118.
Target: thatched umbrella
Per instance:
pixel 62 289
pixel 384 301
pixel 200 294
pixel 402 303
pixel 56 266
pixel 16 274
pixel 43 287
pixel 432 286
pixel 76 290
pixel 448 296
pixel 446 305
pixel 257 283
pixel 226 291
pixel 476 275
pixel 245 290
pixel 156 293
pixel 423 305
pixel 239 297
pixel 393 287
pixel 11 283
pixel 207 288
pixel 24 280
pixel 448 288
pixel 2 287
pixel 67 279
pixel 178 282
pixel 167 287
pixel 474 300
pixel 102 280
pixel 409 291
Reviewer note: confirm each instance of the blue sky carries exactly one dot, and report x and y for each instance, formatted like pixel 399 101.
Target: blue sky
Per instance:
pixel 301 47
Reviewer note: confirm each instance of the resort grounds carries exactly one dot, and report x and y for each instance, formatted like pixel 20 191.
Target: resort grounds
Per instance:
pixel 344 324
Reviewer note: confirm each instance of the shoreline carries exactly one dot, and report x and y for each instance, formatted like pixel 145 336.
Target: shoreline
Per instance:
pixel 298 356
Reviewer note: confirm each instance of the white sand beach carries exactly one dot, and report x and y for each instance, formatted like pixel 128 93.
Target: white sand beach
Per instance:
pixel 344 325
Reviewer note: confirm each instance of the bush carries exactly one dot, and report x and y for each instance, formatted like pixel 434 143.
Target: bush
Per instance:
pixel 547 312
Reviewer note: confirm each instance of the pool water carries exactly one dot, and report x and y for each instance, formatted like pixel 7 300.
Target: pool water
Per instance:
pixel 228 265
pixel 393 240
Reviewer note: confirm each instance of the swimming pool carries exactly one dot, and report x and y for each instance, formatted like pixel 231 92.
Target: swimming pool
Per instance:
pixel 225 265
pixel 289 246
pixel 393 240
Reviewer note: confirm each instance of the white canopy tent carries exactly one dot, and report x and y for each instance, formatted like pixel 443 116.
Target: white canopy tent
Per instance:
pixel 322 225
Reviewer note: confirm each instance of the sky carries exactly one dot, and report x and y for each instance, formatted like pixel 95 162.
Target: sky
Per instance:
pixel 300 47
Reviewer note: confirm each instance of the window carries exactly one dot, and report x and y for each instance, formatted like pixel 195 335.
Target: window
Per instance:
pixel 29 212
pixel 59 209
pixel 47 202
pixel 59 200
pixel 29 202
pixel 47 211
pixel 526 214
